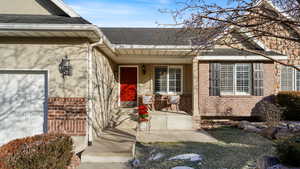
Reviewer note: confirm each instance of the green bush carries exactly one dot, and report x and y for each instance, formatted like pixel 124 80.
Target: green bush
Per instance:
pixel 291 102
pixel 289 151
pixel 46 151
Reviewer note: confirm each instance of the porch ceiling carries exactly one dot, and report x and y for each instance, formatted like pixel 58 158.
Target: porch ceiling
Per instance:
pixel 154 55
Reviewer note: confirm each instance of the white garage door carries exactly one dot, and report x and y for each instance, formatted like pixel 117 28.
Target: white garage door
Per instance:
pixel 22 104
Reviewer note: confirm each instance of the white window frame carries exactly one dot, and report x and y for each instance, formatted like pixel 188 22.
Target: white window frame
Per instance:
pixel 294 79
pixel 168 68
pixel 235 93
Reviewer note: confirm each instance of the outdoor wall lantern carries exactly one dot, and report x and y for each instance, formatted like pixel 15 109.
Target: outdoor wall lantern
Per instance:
pixel 144 69
pixel 116 73
pixel 65 67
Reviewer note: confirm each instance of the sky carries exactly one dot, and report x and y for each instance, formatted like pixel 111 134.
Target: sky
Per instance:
pixel 125 13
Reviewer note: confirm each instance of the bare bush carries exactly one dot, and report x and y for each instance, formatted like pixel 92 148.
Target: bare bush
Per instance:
pixel 269 112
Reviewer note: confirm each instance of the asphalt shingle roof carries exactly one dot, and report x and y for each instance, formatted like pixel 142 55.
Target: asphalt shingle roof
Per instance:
pixel 147 36
pixel 41 19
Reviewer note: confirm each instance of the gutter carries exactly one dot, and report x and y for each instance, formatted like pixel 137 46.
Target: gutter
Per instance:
pixel 58 27
pixel 90 90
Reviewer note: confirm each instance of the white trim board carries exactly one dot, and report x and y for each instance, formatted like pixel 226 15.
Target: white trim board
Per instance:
pixel 153 61
pixel 238 58
pixel 156 47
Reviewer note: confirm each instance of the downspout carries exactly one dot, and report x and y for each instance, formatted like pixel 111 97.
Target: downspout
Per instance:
pixel 90 90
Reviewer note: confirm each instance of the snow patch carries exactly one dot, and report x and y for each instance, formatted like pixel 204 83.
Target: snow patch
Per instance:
pixel 156 156
pixel 182 167
pixel 191 157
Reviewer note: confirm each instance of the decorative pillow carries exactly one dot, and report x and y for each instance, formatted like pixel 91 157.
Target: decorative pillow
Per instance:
pixel 147 100
pixel 174 99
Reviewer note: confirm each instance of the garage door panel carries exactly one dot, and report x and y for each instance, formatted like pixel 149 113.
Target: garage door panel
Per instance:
pixel 22 104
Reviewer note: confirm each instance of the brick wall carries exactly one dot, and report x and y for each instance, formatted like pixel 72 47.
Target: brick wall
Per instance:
pixel 231 105
pixel 67 115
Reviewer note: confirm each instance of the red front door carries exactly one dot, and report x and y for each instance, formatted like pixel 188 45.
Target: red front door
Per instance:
pixel 128 89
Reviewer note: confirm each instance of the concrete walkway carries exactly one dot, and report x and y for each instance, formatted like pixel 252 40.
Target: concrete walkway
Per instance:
pixel 114 146
pixel 79 143
pixel 174 136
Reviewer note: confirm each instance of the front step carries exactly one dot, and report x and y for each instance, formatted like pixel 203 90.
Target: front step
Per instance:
pixel 106 158
pixel 104 166
pixel 170 121
pixel 114 146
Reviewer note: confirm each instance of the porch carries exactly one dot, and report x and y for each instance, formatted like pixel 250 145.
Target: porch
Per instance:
pixel 160 72
pixel 158 81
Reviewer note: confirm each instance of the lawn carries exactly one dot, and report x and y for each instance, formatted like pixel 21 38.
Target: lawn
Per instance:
pixel 236 149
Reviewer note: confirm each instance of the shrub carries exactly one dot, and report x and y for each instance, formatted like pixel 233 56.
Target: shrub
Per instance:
pixel 269 112
pixel 289 151
pixel 290 100
pixel 46 151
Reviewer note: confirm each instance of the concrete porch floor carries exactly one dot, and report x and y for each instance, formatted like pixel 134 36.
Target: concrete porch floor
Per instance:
pixel 167 120
pixel 168 113
pixel 160 120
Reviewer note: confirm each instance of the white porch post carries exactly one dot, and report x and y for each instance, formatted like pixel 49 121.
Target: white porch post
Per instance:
pixel 196 112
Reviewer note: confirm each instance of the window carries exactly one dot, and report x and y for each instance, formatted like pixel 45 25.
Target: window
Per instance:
pixel 235 79
pixel 290 79
pixel 168 79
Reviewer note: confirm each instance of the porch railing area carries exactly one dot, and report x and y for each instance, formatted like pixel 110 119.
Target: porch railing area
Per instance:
pixel 161 104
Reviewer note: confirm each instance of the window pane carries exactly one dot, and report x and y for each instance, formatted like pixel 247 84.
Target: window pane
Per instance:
pixel 161 79
pixel 286 78
pixel 175 80
pixel 226 73
pixel 297 80
pixel 243 78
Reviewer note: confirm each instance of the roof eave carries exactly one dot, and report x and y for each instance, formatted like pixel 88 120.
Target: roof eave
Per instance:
pixel 241 58
pixel 56 27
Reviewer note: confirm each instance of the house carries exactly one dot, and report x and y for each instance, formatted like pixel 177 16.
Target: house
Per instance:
pixel 60 73
pixel 40 41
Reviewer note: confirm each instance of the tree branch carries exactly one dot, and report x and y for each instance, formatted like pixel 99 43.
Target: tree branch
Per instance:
pixel 266 56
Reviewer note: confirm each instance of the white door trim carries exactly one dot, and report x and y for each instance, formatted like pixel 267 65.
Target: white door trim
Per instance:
pixel 119 86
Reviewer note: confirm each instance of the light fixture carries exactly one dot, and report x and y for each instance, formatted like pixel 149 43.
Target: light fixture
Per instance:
pixel 144 69
pixel 65 67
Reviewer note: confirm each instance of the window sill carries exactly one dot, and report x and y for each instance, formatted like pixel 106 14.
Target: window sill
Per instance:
pixel 236 96
pixel 168 94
